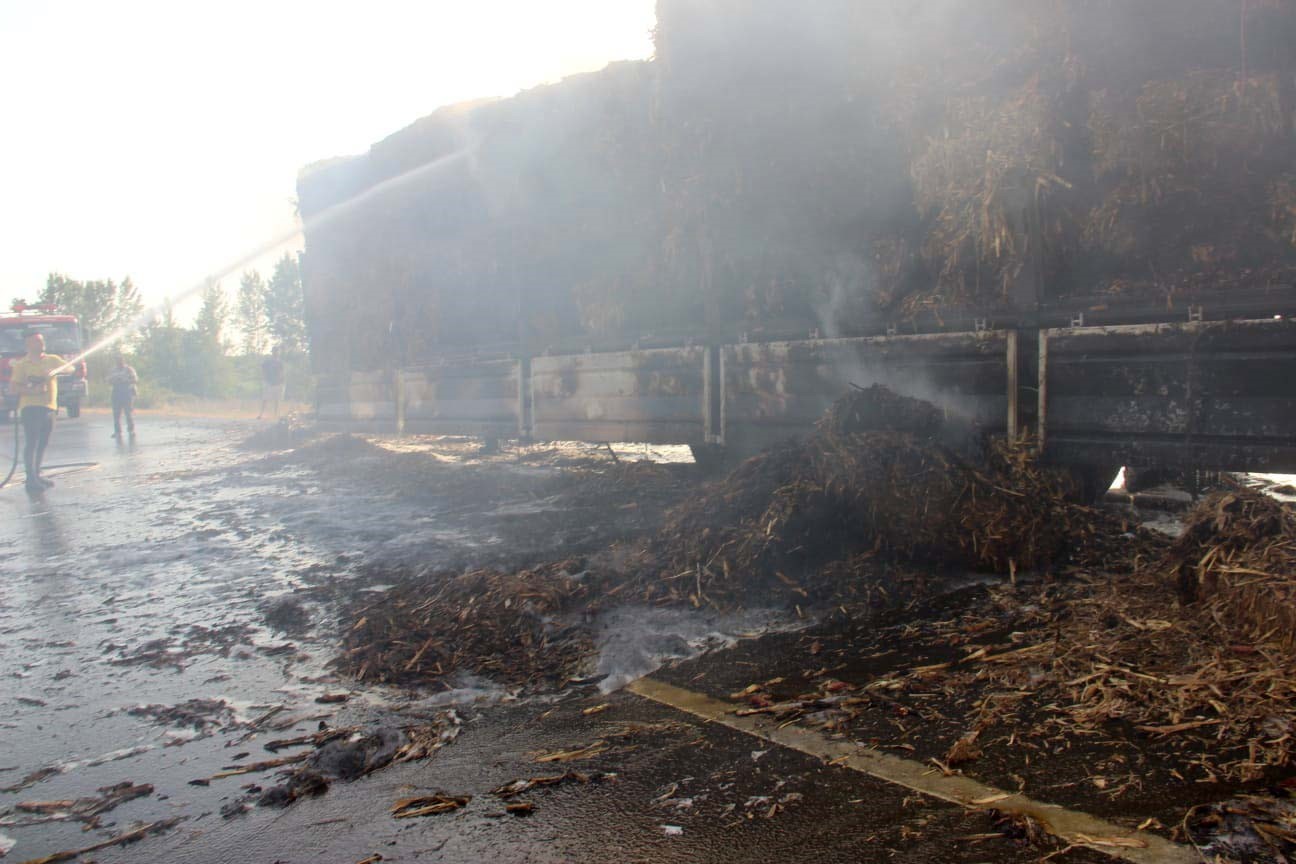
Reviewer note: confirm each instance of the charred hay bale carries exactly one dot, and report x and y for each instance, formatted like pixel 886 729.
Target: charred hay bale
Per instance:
pixel 1189 187
pixel 1208 237
pixel 975 184
pixel 1237 556
pixel 1175 131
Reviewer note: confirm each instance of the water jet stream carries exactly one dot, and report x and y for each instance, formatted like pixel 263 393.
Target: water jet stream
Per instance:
pixel 321 219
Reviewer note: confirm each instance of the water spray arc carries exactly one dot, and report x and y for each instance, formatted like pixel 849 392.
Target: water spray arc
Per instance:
pixel 319 220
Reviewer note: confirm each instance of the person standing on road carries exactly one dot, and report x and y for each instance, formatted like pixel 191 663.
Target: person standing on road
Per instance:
pixel 272 382
pixel 124 384
pixel 37 384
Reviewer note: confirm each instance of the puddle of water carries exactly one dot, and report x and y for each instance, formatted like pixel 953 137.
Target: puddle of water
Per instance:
pixel 529 508
pixel 1168 524
pixel 634 641
pixel 469 690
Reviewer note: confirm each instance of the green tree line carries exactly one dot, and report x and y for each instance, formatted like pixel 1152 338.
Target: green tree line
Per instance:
pixel 218 356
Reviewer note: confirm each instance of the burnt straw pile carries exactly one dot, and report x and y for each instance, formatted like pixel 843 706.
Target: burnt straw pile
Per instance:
pixel 885 480
pixel 521 629
pixel 1237 556
pixel 1204 682
pixel 886 491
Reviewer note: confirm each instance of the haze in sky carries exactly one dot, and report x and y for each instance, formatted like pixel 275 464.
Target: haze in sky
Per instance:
pixel 162 139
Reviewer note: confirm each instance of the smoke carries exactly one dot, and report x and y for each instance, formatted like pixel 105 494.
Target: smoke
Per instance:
pixel 779 168
pixel 846 295
pixel 919 384
pixel 634 641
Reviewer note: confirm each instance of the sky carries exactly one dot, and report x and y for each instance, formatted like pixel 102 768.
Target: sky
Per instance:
pixel 162 140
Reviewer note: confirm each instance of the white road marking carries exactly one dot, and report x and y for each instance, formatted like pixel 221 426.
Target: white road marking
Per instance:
pixel 1070 826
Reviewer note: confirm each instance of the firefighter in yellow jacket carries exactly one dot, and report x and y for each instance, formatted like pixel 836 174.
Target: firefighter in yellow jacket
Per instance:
pixel 35 381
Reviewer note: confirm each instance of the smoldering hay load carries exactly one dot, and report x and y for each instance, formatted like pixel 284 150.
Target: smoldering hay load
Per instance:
pixel 1077 148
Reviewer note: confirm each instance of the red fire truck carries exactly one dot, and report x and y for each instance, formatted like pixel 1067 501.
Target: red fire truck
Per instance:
pixel 62 336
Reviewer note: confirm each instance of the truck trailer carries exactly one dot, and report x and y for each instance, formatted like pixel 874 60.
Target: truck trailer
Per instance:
pixel 1073 220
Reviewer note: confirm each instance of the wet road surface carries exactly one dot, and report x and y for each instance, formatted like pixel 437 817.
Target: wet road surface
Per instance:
pixel 139 582
pixel 144 583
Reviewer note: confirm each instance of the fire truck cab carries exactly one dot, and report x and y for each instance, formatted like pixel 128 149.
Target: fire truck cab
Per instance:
pixel 62 336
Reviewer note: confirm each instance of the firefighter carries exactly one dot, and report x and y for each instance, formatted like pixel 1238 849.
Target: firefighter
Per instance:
pixel 37 385
pixel 272 382
pixel 125 384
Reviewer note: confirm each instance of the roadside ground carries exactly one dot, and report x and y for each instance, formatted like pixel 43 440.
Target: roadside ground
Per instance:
pixel 170 611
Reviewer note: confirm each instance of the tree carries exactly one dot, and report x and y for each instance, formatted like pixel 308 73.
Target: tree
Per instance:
pixel 285 306
pixel 127 307
pixel 250 313
pixel 212 316
pixel 102 306
pixel 187 360
pixel 158 357
pixel 207 370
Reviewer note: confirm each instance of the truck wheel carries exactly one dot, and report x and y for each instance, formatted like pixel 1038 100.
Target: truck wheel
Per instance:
pixel 74 408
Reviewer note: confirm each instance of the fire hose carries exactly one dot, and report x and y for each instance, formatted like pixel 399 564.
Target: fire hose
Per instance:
pixel 13 467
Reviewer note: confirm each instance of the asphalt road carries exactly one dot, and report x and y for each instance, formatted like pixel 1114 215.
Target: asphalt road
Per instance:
pixel 138 581
pixel 142 584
